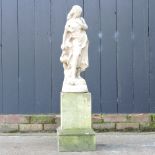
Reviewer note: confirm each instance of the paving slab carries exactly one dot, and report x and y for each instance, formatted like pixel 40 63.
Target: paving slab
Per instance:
pixel 107 144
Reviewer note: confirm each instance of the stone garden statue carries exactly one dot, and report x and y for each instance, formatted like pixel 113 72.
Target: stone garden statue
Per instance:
pixel 74 51
pixel 75 132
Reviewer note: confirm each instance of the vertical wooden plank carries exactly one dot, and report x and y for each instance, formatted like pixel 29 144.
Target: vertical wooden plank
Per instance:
pixel 26 56
pixel 70 3
pixel 124 56
pixel 92 74
pixel 1 68
pixel 108 57
pixel 10 56
pixel 58 19
pixel 152 53
pixel 42 56
pixel 141 81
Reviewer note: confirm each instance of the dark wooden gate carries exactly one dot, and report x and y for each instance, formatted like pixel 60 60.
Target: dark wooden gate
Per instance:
pixel 121 76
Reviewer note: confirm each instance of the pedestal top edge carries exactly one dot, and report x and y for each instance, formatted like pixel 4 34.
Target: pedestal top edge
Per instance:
pixel 75 92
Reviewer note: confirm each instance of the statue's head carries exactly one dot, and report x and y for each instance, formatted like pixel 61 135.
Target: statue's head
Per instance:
pixel 75 12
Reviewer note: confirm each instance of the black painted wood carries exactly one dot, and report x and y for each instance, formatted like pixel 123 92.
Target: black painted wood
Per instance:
pixel 121 75
pixel 26 34
pixel 1 69
pixel 141 61
pixel 58 19
pixel 124 56
pixel 10 56
pixel 92 74
pixel 70 3
pixel 108 56
pixel 152 54
pixel 43 56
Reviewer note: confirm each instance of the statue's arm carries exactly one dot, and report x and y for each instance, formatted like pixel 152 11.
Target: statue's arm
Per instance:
pixel 64 37
pixel 84 25
pixel 63 40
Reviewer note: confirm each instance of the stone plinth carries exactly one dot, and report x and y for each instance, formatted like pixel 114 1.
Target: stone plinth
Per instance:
pixel 75 133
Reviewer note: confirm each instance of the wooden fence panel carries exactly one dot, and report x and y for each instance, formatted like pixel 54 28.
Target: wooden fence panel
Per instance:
pixel 26 56
pixel 121 73
pixel 124 56
pixel 1 68
pixel 140 62
pixel 92 74
pixel 10 56
pixel 152 54
pixel 108 57
pixel 43 56
pixel 58 19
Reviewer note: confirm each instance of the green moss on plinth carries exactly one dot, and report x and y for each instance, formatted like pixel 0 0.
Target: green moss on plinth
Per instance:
pixel 70 140
pixel 75 133
pixel 75 110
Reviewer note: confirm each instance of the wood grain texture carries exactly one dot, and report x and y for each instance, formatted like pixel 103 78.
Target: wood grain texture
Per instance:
pixel 124 56
pixel 43 56
pixel 26 34
pixel 10 56
pixel 92 73
pixel 121 73
pixel 152 54
pixel 108 57
pixel 1 66
pixel 141 56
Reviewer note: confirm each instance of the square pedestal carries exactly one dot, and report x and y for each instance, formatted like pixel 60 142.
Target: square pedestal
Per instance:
pixel 70 140
pixel 75 133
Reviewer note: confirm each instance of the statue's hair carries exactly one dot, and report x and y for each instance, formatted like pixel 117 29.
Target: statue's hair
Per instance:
pixel 73 11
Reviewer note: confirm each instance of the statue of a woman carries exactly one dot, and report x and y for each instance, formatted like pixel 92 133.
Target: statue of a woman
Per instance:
pixel 74 51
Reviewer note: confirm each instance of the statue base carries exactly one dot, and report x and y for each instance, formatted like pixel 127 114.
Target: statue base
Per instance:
pixel 75 132
pixel 70 140
pixel 74 85
pixel 74 88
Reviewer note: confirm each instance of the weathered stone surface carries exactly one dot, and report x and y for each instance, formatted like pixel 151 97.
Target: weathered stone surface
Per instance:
pixel 75 110
pixel 104 127
pixel 74 51
pixel 127 126
pixel 6 128
pixel 43 119
pixel 153 117
pixel 97 118
pixel 50 127
pixel 30 127
pixel 2 119
pixel 115 118
pixel 139 118
pixel 58 119
pixel 75 133
pixel 14 119
pixel 147 126
pixel 76 140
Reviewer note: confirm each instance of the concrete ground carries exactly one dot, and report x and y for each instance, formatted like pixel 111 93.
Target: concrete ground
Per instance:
pixel 107 144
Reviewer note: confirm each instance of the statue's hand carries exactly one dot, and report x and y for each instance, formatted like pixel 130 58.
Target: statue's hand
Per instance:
pixel 66 45
pixel 61 59
pixel 62 46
